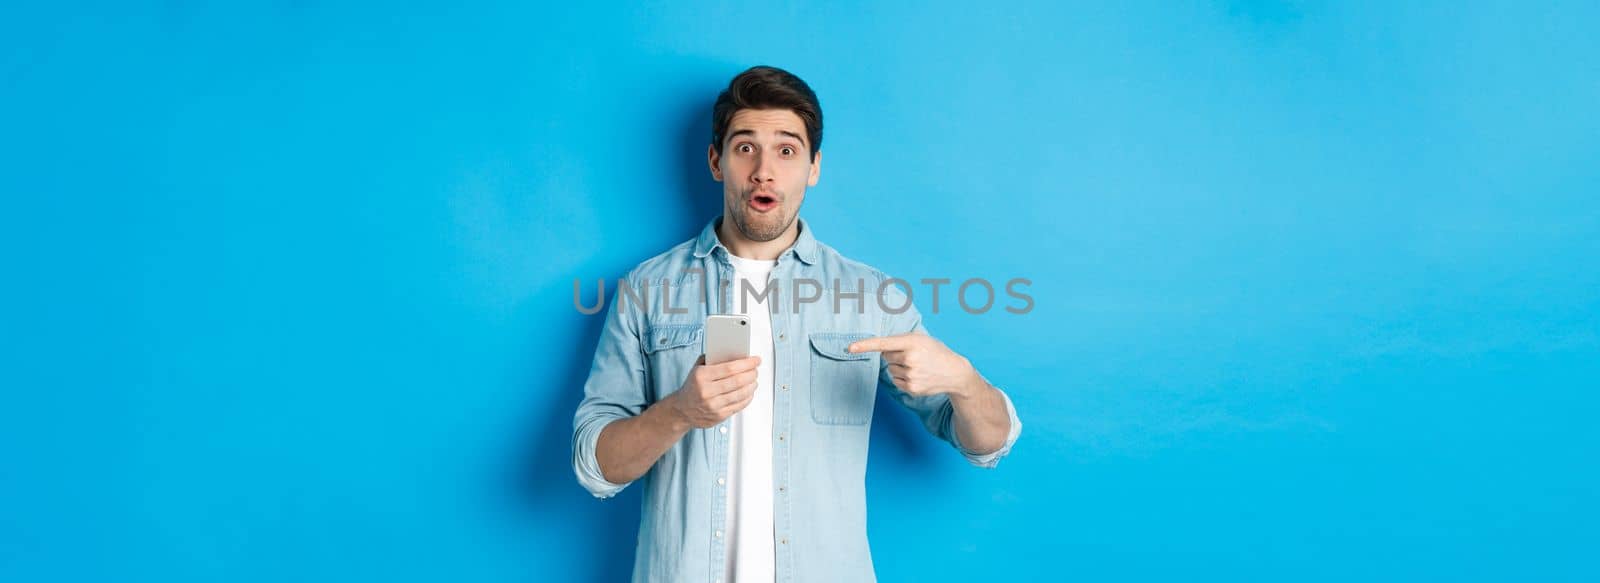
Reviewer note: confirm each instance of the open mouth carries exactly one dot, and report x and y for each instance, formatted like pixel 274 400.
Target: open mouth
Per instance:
pixel 763 202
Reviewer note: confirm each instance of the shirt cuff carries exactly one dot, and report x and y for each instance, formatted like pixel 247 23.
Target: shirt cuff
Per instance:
pixel 584 462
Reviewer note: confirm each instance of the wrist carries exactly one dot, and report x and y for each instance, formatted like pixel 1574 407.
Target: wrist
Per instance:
pixel 674 419
pixel 971 390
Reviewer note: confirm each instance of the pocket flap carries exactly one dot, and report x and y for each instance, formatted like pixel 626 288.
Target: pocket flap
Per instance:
pixel 834 344
pixel 667 336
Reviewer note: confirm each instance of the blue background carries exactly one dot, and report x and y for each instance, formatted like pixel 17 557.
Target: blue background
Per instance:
pixel 288 288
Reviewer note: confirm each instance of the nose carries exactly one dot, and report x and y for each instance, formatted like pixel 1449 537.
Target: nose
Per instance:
pixel 762 173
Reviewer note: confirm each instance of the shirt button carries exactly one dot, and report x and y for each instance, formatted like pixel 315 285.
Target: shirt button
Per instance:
pixel 783 541
pixel 780 336
pixel 721 481
pixel 780 437
pixel 782 489
pixel 786 387
pixel 719 534
pixel 723 428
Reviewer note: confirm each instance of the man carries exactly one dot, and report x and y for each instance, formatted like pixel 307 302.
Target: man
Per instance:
pixel 754 470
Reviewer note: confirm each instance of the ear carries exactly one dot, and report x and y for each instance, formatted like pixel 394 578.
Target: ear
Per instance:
pixel 713 160
pixel 816 169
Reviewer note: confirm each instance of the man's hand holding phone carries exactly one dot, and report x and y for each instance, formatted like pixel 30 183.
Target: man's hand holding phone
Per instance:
pixel 714 392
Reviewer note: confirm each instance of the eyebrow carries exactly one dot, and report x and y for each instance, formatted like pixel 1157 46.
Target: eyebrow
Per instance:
pixel 750 132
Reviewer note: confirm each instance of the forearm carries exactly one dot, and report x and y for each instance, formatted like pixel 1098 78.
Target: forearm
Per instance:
pixel 627 448
pixel 981 420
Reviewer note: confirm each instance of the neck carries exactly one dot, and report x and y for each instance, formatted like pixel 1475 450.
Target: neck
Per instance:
pixel 741 246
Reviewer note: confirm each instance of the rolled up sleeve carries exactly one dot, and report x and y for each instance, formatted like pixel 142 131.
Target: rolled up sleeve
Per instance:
pixel 615 390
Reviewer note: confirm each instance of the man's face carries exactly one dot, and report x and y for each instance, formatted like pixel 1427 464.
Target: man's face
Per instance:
pixel 765 167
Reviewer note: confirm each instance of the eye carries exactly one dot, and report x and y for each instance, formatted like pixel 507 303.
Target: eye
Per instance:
pixel 787 151
pixel 745 148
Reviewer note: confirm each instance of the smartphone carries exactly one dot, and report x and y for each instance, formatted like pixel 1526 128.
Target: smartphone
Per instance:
pixel 727 338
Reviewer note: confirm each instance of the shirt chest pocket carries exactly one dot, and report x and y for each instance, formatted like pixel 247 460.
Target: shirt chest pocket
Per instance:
pixel 842 384
pixel 671 350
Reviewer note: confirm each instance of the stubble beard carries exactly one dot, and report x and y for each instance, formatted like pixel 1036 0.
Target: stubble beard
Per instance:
pixel 762 228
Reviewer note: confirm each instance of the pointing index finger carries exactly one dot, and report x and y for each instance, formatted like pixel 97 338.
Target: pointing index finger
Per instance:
pixel 882 344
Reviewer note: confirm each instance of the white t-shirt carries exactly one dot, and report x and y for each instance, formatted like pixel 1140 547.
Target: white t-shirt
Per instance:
pixel 752 557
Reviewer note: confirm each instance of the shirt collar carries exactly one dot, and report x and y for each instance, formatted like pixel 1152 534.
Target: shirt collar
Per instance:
pixel 805 245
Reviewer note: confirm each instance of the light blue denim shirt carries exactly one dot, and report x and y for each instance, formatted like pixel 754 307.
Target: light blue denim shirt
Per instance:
pixel 823 398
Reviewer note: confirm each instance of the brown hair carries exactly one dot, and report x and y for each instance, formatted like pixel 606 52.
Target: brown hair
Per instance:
pixel 763 87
